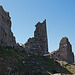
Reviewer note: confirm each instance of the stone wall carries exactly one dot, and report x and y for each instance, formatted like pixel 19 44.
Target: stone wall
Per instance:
pixel 38 44
pixel 6 36
pixel 64 53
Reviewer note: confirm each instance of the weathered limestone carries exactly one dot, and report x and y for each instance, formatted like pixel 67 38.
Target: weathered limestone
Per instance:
pixel 64 53
pixel 38 44
pixel 6 36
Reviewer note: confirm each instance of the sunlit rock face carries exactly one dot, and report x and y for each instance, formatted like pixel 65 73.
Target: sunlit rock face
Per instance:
pixel 38 44
pixel 6 36
pixel 64 53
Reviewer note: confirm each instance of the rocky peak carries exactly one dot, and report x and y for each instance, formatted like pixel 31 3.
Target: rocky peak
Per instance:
pixel 65 45
pixel 64 53
pixel 66 48
pixel 6 35
pixel 64 41
pixel 5 16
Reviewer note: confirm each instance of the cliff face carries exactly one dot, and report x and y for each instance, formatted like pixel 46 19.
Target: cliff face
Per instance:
pixel 6 36
pixel 38 44
pixel 64 53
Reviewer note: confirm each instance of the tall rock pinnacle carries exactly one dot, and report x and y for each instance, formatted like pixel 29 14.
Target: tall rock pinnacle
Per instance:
pixel 38 44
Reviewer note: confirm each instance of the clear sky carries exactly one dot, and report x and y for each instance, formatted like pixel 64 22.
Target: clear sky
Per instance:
pixel 59 14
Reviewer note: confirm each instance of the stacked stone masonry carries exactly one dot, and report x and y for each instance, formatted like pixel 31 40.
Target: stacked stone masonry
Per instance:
pixel 38 44
pixel 6 36
pixel 64 53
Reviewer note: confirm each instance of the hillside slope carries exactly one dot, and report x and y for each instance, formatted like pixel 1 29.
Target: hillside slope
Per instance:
pixel 20 62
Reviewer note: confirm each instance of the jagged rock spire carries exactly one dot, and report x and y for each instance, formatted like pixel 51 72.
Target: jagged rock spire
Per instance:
pixel 66 49
pixel 38 44
pixel 6 36
pixel 64 53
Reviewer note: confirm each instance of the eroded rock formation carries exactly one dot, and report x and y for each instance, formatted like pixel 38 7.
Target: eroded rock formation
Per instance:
pixel 38 44
pixel 6 36
pixel 64 53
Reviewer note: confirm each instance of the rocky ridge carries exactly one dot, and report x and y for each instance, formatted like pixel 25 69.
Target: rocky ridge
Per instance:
pixel 38 44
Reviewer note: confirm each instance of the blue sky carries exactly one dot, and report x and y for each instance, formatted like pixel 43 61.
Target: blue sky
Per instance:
pixel 59 14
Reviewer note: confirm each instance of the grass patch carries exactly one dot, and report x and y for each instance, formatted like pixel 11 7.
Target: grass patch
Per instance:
pixel 32 64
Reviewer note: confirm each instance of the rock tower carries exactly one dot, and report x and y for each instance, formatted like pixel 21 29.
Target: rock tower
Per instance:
pixel 6 36
pixel 38 44
pixel 64 53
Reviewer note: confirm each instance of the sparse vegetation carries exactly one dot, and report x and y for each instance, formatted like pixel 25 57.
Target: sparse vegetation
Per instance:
pixel 19 62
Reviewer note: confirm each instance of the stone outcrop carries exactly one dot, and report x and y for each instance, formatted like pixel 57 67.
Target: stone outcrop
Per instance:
pixel 6 36
pixel 38 44
pixel 64 53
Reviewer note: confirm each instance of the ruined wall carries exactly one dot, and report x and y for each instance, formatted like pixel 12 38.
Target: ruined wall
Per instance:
pixel 6 36
pixel 64 53
pixel 38 44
